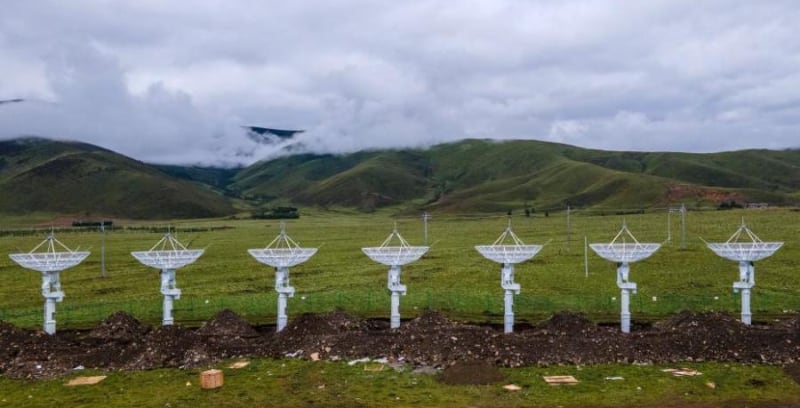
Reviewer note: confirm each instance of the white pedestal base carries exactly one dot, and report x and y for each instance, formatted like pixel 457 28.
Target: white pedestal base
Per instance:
pixel 171 293
pixel 511 288
pixel 284 293
pixel 397 289
pixel 626 288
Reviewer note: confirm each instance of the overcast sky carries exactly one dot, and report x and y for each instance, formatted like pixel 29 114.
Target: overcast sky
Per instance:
pixel 172 81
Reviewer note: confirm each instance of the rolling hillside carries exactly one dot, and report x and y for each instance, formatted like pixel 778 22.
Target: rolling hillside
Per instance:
pixel 481 175
pixel 38 175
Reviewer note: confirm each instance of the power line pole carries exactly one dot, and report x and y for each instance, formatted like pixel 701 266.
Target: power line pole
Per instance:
pixel 102 248
pixel 669 225
pixel 683 226
pixel 425 218
pixel 586 256
pixel 569 230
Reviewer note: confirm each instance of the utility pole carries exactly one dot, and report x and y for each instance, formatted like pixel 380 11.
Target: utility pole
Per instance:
pixel 425 218
pixel 683 226
pixel 669 225
pixel 569 230
pixel 586 256
pixel 102 248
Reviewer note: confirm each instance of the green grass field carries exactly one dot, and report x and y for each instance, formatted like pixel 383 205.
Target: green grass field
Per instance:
pixel 293 383
pixel 452 277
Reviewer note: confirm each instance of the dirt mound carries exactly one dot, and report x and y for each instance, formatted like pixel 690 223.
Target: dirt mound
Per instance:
pixel 431 340
pixel 309 324
pixel 226 323
pixel 12 340
pixel 6 327
pixel 792 323
pixel 429 321
pixel 686 320
pixel 471 373
pixel 120 327
pixel 567 322
pixel 10 333
pixel 171 346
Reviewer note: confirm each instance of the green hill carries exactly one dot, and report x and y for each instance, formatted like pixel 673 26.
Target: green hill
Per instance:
pixel 38 175
pixel 482 175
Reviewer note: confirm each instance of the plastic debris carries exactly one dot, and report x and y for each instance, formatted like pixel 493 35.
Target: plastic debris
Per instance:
pixel 683 372
pixel 358 361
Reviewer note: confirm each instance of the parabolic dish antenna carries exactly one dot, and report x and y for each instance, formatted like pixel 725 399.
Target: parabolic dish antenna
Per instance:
pixel 754 249
pixel 745 247
pixel 508 254
pixel 394 256
pixel 168 254
pixel 282 253
pixel 52 258
pixel 623 252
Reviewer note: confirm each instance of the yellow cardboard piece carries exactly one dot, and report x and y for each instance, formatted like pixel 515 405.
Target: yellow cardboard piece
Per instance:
pixel 560 380
pixel 239 364
pixel 85 380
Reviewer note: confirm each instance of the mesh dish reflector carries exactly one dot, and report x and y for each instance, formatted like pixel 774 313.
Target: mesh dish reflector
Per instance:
pixel 395 255
pixel 49 261
pixel 282 257
pixel 508 254
pixel 745 251
pixel 625 252
pixel 169 259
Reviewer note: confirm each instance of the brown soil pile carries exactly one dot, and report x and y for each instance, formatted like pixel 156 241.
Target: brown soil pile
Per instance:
pixel 309 324
pixel 330 334
pixel 429 321
pixel 686 320
pixel 120 327
pixel 171 346
pixel 563 323
pixel 226 323
pixel 471 373
pixel 121 342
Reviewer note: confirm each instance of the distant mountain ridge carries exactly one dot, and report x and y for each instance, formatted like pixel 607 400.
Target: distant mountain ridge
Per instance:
pixel 464 176
pixel 488 175
pixel 40 175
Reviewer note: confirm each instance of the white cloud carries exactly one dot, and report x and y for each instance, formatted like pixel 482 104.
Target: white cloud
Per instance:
pixel 174 81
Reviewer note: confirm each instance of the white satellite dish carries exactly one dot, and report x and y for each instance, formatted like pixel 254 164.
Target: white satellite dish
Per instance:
pixel 55 258
pixel 508 255
pixel 395 256
pixel 745 253
pixel 282 253
pixel 624 253
pixel 168 254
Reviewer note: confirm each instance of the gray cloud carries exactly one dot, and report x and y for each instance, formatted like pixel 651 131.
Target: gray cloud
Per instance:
pixel 173 81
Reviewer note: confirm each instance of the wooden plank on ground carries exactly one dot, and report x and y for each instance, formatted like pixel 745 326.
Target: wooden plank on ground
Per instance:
pixel 86 380
pixel 560 380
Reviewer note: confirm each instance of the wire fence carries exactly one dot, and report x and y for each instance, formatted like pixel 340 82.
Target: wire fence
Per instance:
pixel 567 228
pixel 462 305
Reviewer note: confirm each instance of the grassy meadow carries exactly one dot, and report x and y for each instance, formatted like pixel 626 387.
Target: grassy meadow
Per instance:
pixel 294 383
pixel 452 277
